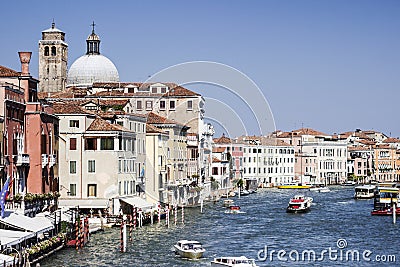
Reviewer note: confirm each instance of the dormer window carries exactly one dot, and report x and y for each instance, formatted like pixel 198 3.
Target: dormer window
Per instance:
pixel 154 90
pixel 163 90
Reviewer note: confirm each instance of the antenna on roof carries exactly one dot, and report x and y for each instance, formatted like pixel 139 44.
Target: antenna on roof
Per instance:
pixel 53 24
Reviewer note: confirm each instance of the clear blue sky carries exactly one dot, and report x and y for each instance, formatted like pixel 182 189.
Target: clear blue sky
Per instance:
pixel 330 65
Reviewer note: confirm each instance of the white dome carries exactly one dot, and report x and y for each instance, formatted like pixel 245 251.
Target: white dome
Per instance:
pixel 91 68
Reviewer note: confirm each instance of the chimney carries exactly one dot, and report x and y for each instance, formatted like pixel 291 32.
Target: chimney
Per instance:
pixel 25 58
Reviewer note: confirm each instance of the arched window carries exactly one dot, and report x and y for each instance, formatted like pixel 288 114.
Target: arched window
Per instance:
pixel 46 51
pixel 53 51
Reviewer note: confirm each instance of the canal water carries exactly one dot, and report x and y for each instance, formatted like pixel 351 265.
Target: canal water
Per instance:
pixel 338 231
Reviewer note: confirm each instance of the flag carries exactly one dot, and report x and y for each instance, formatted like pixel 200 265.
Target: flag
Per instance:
pixel 3 196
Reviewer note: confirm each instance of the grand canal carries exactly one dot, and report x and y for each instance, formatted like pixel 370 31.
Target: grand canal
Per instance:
pixel 337 223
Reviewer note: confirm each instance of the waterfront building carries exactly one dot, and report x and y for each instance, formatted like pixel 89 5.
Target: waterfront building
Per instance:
pixel 53 60
pixel 26 157
pixel 385 158
pixel 220 174
pixel 328 155
pixel 156 185
pixel 360 163
pixel 267 161
pixel 97 160
pixel 235 153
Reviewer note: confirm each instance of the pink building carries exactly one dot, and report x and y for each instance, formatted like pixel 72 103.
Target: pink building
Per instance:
pixel 27 124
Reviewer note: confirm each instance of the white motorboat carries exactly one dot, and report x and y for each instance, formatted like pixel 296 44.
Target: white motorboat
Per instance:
pixel 189 249
pixel 228 202
pixel 241 261
pixel 364 191
pixel 321 188
pixel 234 209
pixel 299 204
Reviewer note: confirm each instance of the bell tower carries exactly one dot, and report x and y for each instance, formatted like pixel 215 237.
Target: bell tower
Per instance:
pixel 53 59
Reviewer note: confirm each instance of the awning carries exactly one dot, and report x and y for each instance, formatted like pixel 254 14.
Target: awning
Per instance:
pixel 137 202
pixel 84 203
pixel 36 225
pixel 11 238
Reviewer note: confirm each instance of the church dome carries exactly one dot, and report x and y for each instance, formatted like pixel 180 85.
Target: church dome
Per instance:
pixel 92 67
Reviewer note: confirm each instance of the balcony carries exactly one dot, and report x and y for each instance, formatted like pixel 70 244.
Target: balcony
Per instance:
pixel 21 159
pixel 45 160
pixel 52 160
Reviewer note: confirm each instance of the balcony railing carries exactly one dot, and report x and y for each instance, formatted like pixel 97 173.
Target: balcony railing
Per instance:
pixel 52 160
pixel 21 159
pixel 45 160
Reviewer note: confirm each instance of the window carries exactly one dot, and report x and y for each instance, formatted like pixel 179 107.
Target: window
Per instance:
pixel 72 190
pixel 163 90
pixel 190 105
pixel 74 123
pixel 162 104
pixel 90 143
pixel 172 104
pixel 215 171
pixel 91 166
pixel 53 51
pixel 72 144
pixel 154 90
pixel 139 104
pixel 149 105
pixel 107 143
pixel 46 51
pixel 92 190
pixel 72 167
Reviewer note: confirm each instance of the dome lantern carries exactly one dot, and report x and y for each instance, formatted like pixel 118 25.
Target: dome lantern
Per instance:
pixel 93 43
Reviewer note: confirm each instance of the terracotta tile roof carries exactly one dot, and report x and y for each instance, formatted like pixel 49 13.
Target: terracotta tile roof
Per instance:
pixel 391 140
pixel 366 142
pixel 383 146
pixel 71 92
pixel 69 108
pixel 222 140
pixel 308 131
pixel 358 148
pixel 102 125
pixel 283 134
pixel 154 118
pixel 113 93
pixel 180 91
pixel 218 149
pixel 358 134
pixel 7 72
pixel 216 160
pixel 151 129
pixel 267 141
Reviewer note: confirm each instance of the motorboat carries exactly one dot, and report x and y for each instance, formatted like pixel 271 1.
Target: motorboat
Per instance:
pixel 241 261
pixel 244 192
pixel 234 209
pixel 294 186
pixel 364 191
pixel 321 188
pixel 299 204
pixel 189 249
pixel 228 202
pixel 384 200
pixel 349 183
